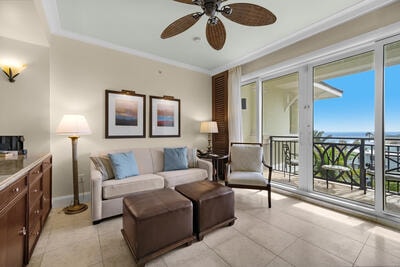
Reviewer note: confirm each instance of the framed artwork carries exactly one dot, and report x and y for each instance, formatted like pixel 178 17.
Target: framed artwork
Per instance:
pixel 125 114
pixel 165 116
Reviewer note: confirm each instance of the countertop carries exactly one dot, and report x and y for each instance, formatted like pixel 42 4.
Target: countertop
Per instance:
pixel 12 169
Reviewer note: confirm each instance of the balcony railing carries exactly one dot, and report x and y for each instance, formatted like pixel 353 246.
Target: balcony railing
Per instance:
pixel 357 155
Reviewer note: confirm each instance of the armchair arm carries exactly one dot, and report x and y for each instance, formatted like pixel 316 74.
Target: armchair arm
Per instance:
pixel 204 164
pixel 96 188
pixel 269 171
pixel 227 170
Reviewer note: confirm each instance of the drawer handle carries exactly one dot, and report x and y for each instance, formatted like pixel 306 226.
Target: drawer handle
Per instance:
pixel 36 172
pixel 35 191
pixel 16 190
pixel 37 233
pixel 22 231
pixel 37 211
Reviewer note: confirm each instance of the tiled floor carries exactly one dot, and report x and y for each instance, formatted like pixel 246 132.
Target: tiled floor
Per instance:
pixel 292 233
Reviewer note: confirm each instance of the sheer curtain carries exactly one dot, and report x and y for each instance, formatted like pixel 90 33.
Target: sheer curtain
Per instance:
pixel 234 105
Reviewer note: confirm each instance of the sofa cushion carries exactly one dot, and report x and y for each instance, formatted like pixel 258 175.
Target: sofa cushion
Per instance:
pixel 175 158
pixel 124 165
pixel 174 178
pixel 118 188
pixel 103 164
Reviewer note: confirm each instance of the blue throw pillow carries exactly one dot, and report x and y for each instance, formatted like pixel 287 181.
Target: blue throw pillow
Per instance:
pixel 175 158
pixel 124 165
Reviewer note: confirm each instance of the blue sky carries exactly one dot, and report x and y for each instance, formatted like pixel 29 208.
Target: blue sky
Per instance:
pixel 354 111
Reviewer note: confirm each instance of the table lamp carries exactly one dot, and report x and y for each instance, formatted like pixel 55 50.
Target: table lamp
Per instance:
pixel 209 127
pixel 74 126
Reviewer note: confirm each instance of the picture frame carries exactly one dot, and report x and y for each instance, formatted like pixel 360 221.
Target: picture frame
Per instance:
pixel 125 114
pixel 165 116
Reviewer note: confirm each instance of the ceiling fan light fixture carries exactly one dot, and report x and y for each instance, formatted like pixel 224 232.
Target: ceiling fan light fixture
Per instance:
pixel 226 10
pixel 243 13
pixel 213 20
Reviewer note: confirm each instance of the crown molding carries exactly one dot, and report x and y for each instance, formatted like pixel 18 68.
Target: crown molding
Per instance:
pixel 53 20
pixel 51 11
pixel 323 25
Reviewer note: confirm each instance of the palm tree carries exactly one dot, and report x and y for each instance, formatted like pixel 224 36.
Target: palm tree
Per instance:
pixel 319 136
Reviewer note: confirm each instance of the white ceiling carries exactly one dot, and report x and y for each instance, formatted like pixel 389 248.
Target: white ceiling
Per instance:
pixel 134 26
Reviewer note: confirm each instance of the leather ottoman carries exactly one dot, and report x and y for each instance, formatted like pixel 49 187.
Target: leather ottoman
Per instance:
pixel 213 205
pixel 155 222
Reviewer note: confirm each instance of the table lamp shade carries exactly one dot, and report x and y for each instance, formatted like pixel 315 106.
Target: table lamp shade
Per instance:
pixel 73 125
pixel 208 127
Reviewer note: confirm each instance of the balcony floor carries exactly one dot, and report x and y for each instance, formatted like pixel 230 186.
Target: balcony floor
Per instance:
pixel 342 191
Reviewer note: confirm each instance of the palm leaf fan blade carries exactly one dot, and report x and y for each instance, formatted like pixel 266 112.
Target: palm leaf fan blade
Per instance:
pixel 250 15
pixel 216 35
pixel 185 1
pixel 180 25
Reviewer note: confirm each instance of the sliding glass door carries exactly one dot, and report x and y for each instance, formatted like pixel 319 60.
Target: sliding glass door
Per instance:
pixel 343 141
pixel 391 182
pixel 280 126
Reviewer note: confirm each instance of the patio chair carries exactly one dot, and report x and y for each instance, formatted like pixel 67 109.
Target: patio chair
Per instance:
pixel 290 160
pixel 245 168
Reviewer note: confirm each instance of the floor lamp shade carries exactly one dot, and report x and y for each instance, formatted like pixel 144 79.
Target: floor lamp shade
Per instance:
pixel 74 126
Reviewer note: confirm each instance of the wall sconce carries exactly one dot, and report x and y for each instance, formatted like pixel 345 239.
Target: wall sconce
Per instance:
pixel 12 70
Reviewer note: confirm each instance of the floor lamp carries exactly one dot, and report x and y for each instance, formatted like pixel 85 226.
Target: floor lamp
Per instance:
pixel 209 127
pixel 74 126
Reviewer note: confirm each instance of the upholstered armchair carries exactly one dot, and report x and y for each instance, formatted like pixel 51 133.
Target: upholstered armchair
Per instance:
pixel 245 168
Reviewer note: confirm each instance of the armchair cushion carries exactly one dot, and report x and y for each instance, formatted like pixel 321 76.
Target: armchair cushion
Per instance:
pixel 247 178
pixel 246 158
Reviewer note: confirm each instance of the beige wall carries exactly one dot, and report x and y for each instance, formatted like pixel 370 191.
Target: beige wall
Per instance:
pixel 80 73
pixel 363 24
pixel 24 104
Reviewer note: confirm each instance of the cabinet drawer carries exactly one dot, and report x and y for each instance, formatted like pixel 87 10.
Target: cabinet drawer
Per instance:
pixel 35 172
pixel 35 190
pixel 12 191
pixel 35 213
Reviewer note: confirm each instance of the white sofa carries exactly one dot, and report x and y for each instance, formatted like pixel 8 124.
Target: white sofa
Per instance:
pixel 107 194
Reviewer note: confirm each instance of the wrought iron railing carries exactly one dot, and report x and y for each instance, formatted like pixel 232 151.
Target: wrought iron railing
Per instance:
pixel 356 154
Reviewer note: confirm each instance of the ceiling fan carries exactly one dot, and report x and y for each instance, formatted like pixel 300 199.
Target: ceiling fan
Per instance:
pixel 242 13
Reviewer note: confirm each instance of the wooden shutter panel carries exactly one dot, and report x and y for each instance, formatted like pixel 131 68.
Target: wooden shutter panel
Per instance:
pixel 220 140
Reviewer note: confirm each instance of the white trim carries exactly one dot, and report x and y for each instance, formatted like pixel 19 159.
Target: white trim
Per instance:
pixel 323 25
pixel 52 16
pixel 53 19
pixel 64 201
pixel 353 44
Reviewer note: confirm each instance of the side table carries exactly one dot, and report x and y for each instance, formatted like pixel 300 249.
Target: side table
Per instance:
pixel 218 162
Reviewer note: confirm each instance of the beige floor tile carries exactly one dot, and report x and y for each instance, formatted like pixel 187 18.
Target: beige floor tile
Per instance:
pixel 270 237
pixel 304 254
pixel 220 235
pixel 69 237
pixel 241 251
pixel 184 254
pixel 372 256
pixel 336 244
pixel 279 262
pixel 385 239
pixel 292 233
pixel 81 253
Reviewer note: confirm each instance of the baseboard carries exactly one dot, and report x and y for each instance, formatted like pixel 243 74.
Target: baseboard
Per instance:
pixel 63 201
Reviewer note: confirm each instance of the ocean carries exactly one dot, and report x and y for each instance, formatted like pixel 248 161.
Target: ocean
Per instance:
pixel 358 134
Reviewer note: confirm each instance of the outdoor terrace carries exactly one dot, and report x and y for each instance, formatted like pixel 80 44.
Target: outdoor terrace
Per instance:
pixel 342 167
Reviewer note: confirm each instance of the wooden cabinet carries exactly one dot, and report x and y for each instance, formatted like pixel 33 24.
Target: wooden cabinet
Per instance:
pixel 24 207
pixel 39 195
pixel 13 208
